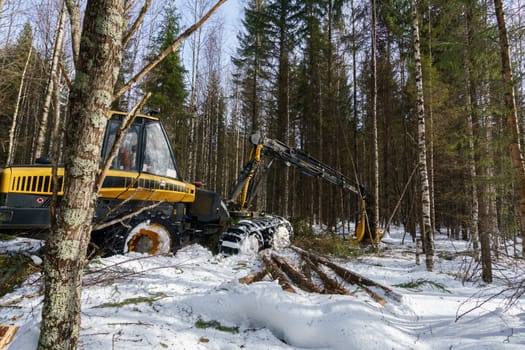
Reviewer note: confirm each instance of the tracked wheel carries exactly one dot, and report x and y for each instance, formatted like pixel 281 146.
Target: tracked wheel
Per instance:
pixel 251 244
pixel 148 237
pixel 281 237
pixel 253 235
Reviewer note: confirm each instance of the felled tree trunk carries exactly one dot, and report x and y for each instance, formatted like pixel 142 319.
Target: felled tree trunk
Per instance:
pixel 277 274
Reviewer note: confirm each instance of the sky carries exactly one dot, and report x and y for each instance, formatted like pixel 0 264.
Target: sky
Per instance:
pixel 194 300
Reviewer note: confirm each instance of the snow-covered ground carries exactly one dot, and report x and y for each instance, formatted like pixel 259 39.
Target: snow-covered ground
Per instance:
pixel 193 300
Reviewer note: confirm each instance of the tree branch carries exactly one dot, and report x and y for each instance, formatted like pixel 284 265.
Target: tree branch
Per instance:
pixel 73 8
pixel 138 22
pixel 150 66
pixel 125 217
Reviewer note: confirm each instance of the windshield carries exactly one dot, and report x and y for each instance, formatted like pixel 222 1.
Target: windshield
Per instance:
pixel 157 155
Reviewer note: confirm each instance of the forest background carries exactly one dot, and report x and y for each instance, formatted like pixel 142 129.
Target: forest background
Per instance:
pixel 300 71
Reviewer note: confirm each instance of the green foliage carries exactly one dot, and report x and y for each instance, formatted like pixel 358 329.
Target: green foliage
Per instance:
pixel 419 283
pixel 301 227
pixel 167 81
pixel 201 324
pixel 134 301
pixel 15 269
pixel 326 243
pixel 13 58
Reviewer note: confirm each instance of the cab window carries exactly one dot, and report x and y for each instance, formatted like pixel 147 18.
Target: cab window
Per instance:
pixel 127 155
pixel 158 159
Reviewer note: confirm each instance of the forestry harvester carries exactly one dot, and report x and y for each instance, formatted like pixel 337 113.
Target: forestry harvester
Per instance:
pixel 145 206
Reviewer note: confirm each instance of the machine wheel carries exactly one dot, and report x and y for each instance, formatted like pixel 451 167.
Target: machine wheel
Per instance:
pixel 281 237
pixel 150 236
pixel 251 244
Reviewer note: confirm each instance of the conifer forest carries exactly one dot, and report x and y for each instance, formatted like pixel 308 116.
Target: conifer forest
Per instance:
pixel 421 101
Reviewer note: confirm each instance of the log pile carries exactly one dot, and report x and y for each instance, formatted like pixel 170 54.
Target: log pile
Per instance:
pixel 313 276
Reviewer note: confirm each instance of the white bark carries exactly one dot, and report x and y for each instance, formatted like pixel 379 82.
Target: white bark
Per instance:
pixel 426 229
pixel 11 149
pixel 52 82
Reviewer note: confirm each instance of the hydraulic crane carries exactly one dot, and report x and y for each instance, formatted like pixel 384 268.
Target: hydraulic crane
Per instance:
pixel 245 190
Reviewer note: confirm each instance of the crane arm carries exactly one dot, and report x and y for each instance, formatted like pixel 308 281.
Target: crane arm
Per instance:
pixel 246 187
pixel 302 161
pixel 248 182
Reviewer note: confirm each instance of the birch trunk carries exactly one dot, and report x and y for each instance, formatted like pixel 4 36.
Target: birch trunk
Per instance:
pixel 96 73
pixel 11 148
pixel 512 118
pixel 426 226
pixel 73 8
pixel 52 83
pixel 431 126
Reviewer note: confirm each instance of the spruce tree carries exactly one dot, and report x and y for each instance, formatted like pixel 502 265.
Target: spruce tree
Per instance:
pixel 167 84
pixel 252 62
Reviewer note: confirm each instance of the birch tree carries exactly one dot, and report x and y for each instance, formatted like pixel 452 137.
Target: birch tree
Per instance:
pixel 52 82
pixel 426 229
pixel 12 141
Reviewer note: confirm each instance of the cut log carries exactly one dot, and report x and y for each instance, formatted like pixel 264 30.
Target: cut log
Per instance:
pixel 351 277
pixel 254 277
pixel 7 333
pixel 296 276
pixel 277 274
pixel 306 270
pixel 331 285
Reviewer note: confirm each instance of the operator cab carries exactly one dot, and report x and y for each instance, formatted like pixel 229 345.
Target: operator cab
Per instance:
pixel 145 147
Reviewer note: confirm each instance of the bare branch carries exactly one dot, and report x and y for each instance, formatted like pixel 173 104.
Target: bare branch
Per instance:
pixel 138 22
pixel 126 217
pixel 387 227
pixel 166 52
